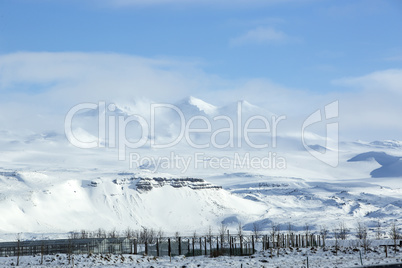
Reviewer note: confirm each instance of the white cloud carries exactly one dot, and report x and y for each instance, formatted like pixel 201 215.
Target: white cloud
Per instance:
pixel 95 76
pixel 394 58
pixel 387 80
pixel 261 35
pixel 256 22
pixel 372 112
pixel 36 84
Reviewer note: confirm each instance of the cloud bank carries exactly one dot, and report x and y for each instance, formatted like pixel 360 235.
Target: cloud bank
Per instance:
pixel 261 35
pixel 37 90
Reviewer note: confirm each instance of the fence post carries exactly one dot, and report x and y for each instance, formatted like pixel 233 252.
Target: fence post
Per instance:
pixel 230 246
pixel 146 247
pixel 263 242
pixel 194 247
pixel 157 247
pixel 210 245
pixel 18 252
pixel 235 247
pixel 169 248
pixel 300 241
pixel 41 253
pixel 205 244
pixel 252 241
pixel 241 245
pixel 179 245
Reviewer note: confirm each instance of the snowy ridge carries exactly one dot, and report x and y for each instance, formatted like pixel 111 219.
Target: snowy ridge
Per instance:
pixel 381 144
pixel 44 180
pixel 147 184
pixel 296 201
pixel 41 201
pixel 388 144
pixel 32 201
pixel 197 104
pixel 391 166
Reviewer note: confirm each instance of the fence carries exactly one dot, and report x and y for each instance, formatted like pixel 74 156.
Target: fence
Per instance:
pixel 67 246
pixel 189 246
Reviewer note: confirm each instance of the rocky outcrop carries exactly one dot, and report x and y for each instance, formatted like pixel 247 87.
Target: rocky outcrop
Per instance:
pixel 147 184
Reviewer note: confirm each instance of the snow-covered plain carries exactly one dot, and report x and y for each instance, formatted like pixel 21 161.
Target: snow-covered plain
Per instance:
pixel 48 187
pixel 345 257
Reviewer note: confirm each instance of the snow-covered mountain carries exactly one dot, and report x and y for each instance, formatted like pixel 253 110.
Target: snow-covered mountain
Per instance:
pixel 387 143
pixel 61 201
pixel 193 106
pixel 47 185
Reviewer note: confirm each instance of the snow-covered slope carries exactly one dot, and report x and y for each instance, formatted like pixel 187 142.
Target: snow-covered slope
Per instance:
pixel 48 185
pixel 391 166
pixel 65 201
pixel 194 106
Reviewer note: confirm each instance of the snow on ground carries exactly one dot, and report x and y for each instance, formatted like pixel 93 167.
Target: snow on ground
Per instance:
pixel 345 257
pixel 50 202
pixel 58 200
pixel 48 187
pixel 38 202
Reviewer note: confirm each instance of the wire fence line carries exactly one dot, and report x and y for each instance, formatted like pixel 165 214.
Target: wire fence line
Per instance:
pixel 230 245
pixel 156 246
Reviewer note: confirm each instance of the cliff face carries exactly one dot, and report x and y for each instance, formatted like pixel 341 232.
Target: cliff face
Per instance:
pixel 144 184
pixel 63 201
pixel 147 184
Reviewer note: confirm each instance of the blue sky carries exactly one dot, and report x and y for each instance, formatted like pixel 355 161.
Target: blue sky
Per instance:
pixel 273 51
pixel 316 41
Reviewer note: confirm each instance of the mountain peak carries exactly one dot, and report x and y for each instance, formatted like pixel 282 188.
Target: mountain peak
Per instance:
pixel 387 143
pixel 201 105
